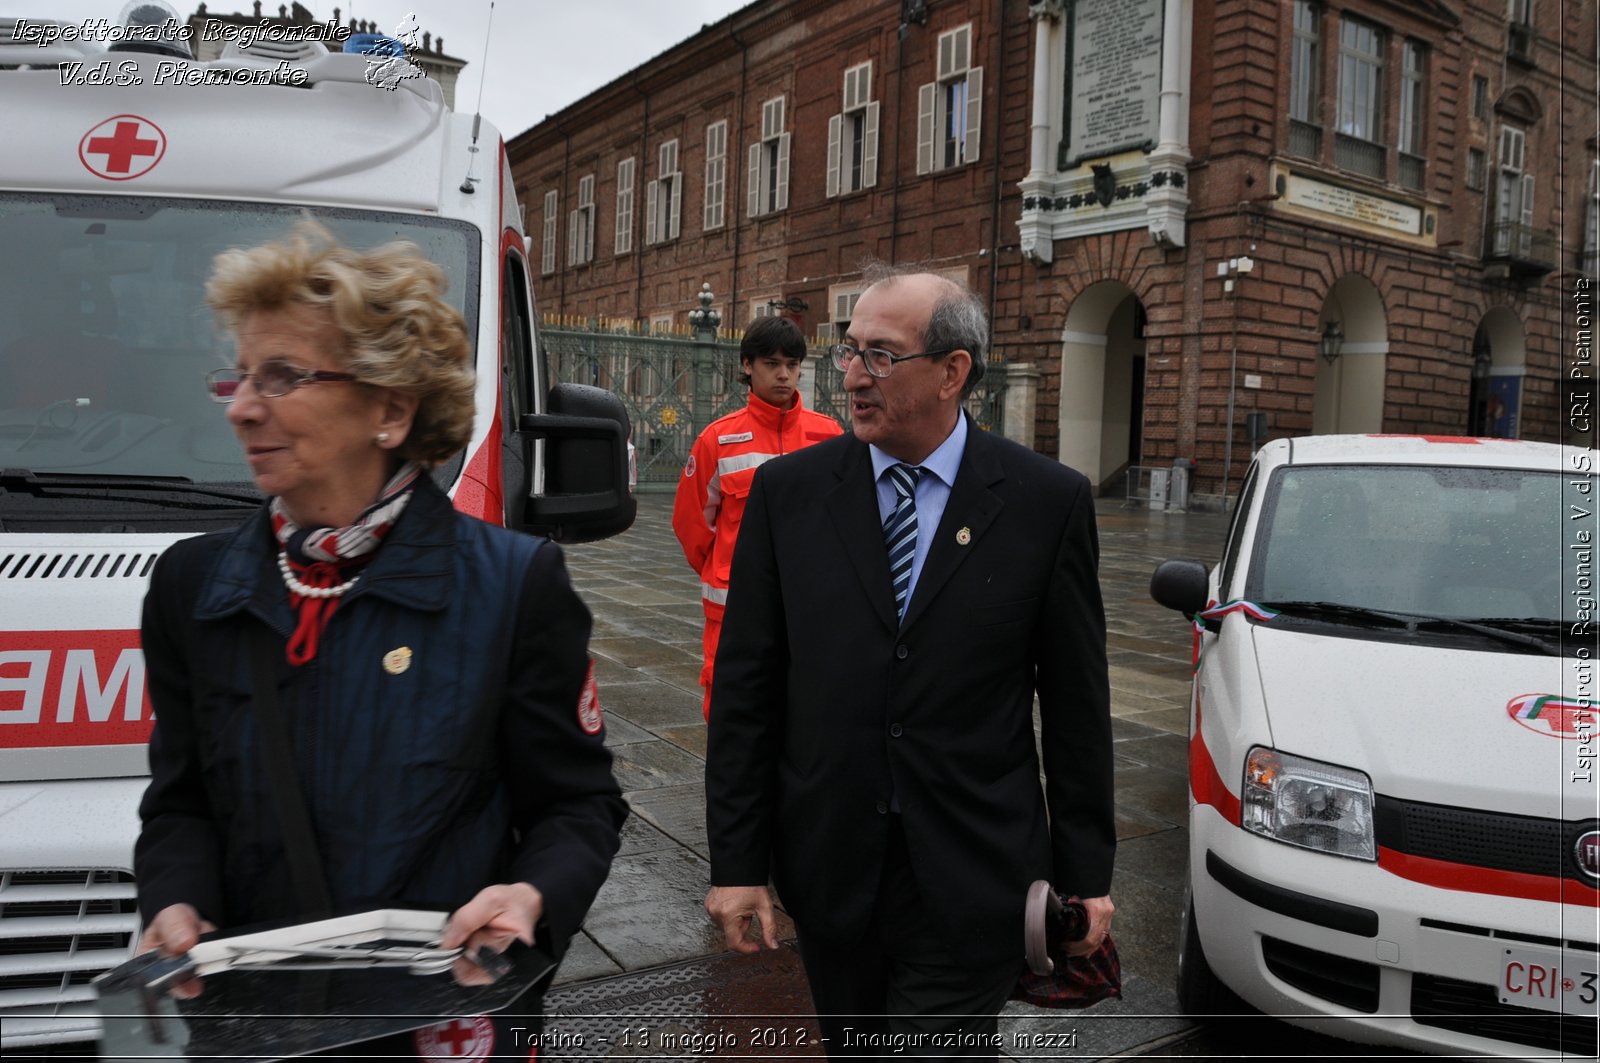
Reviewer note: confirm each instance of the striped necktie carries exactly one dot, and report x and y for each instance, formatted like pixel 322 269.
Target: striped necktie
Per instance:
pixel 900 532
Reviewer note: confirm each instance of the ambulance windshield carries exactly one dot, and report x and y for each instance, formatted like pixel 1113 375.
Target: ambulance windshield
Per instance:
pixel 105 336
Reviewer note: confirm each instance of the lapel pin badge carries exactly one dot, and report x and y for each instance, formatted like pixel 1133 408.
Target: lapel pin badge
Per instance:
pixel 397 660
pixel 964 536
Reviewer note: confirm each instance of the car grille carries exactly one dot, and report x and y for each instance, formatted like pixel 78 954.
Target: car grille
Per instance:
pixel 1348 983
pixel 1495 840
pixel 58 931
pixel 1471 1008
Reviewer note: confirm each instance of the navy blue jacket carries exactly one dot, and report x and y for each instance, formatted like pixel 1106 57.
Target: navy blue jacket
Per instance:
pixel 468 768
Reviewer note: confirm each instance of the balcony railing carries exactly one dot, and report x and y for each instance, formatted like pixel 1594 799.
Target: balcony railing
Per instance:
pixel 1413 170
pixel 1357 155
pixel 1305 139
pixel 1527 251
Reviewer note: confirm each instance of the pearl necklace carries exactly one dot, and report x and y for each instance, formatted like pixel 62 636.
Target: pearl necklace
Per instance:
pixel 306 591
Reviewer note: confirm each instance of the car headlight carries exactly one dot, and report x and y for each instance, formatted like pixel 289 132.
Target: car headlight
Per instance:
pixel 1308 803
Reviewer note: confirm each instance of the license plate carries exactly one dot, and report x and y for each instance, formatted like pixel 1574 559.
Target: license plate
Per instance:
pixel 1566 981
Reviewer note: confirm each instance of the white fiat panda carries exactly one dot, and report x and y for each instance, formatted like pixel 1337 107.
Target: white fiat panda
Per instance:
pixel 1394 834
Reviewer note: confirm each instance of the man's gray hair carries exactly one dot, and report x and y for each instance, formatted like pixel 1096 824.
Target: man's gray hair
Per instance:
pixel 958 321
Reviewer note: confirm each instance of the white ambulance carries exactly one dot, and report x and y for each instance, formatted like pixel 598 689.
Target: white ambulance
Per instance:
pixel 1394 822
pixel 125 169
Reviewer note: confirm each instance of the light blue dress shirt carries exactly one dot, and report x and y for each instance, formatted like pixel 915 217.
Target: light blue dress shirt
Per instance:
pixel 933 491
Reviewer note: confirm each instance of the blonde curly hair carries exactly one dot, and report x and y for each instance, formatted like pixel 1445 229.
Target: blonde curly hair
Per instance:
pixel 388 304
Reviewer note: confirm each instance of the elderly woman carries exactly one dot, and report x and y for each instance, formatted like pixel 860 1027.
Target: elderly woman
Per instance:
pixel 426 668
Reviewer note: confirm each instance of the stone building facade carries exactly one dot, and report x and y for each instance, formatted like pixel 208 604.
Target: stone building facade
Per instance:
pixel 1334 215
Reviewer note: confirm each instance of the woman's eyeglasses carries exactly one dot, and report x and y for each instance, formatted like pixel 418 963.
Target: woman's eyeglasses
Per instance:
pixel 272 380
pixel 878 362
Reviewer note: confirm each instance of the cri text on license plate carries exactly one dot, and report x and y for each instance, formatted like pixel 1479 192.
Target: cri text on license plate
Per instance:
pixel 1550 979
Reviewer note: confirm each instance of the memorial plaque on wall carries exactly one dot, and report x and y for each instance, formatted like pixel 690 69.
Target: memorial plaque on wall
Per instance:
pixel 1115 91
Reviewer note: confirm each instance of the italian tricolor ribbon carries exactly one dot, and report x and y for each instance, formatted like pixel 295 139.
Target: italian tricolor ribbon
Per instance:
pixel 1216 611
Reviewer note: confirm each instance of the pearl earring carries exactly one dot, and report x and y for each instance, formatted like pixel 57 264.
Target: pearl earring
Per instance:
pixel 383 437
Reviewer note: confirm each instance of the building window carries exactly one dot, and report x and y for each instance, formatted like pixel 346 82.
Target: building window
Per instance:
pixel 1360 123
pixel 547 252
pixel 663 197
pixel 769 162
pixel 624 241
pixel 1519 30
pixel 842 299
pixel 1513 213
pixel 1305 80
pixel 950 110
pixel 1480 97
pixel 580 225
pixel 1413 101
pixel 853 135
pixel 1477 169
pixel 716 173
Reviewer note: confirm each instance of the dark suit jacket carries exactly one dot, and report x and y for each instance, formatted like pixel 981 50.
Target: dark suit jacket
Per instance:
pixel 824 706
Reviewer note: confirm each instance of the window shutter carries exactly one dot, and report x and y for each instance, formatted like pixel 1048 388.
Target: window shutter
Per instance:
pixel 1527 202
pixel 755 180
pixel 835 132
pixel 927 99
pixel 592 223
pixel 963 48
pixel 547 252
pixel 675 208
pixel 869 148
pixel 652 192
pixel 783 173
pixel 624 236
pixel 974 114
pixel 947 55
pixel 572 237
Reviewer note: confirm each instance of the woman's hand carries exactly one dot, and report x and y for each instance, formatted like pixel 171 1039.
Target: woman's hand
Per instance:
pixel 175 930
pixel 493 919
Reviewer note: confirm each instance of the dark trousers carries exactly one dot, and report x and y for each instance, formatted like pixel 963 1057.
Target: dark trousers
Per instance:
pixel 902 990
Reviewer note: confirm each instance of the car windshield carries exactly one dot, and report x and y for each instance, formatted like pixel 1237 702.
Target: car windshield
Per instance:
pixel 105 336
pixel 1433 541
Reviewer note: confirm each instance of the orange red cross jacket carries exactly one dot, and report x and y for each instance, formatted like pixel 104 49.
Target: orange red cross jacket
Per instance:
pixel 714 486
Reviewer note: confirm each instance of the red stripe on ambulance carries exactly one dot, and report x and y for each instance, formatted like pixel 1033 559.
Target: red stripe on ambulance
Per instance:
pixel 72 688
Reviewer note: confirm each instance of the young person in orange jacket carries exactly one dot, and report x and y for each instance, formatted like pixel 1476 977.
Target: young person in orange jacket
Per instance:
pixel 715 481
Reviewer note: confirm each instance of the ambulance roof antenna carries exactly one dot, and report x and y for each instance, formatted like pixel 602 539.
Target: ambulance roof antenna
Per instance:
pixel 477 114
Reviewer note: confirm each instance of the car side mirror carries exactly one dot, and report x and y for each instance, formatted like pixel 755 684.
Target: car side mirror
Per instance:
pixel 585 495
pixel 1181 585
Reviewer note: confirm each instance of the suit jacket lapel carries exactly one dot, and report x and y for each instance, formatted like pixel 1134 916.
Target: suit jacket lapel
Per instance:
pixel 972 506
pixel 853 504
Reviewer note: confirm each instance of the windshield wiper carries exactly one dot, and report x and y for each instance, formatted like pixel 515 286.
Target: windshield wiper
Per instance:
pixel 24 479
pixel 1415 621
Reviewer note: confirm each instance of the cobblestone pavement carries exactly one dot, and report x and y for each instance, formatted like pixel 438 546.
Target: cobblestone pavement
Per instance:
pixel 649 975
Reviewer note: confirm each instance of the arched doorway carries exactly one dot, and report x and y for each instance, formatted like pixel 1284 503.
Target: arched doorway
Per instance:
pixel 1499 359
pixel 1102 383
pixel 1352 348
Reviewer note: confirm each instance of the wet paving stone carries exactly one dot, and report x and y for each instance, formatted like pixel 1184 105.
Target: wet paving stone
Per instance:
pixel 652 765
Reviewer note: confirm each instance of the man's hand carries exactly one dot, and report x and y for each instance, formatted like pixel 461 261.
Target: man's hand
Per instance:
pixel 1100 911
pixel 175 930
pixel 494 918
pixel 734 907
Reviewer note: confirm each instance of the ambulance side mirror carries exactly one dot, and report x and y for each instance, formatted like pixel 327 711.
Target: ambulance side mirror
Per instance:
pixel 586 493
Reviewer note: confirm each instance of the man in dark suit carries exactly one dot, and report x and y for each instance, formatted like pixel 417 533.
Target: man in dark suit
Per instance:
pixel 898 596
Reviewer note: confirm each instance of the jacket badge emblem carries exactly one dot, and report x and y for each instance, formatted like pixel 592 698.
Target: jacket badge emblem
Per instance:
pixel 736 437
pixel 964 536
pixel 688 469
pixel 589 716
pixel 397 660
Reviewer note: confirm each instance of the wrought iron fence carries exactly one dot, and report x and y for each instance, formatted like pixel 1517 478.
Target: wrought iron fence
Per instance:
pixel 673 386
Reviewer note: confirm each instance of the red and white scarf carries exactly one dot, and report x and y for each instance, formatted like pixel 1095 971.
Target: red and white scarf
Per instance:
pixel 321 558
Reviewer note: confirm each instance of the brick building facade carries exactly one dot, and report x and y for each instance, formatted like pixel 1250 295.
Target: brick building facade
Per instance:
pixel 1351 215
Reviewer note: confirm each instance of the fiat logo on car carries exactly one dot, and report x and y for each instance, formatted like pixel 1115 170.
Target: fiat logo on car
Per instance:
pixel 1586 853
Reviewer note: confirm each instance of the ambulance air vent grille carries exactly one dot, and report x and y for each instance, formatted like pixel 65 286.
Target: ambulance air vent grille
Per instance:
pixel 77 564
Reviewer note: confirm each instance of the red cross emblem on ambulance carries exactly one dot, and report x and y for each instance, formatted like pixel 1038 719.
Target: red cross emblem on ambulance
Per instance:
pixel 122 147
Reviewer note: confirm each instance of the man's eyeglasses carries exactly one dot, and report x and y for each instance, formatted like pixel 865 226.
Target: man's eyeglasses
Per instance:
pixel 878 362
pixel 272 380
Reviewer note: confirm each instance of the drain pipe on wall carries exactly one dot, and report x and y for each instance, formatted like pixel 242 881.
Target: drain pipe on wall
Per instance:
pixel 994 221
